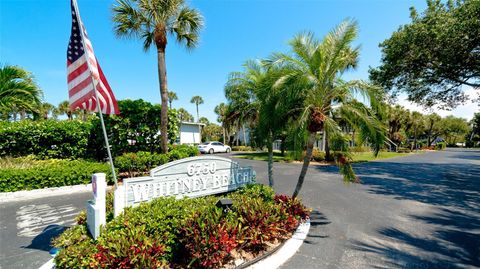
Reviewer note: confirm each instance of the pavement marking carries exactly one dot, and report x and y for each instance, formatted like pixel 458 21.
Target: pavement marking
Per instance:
pixel 32 220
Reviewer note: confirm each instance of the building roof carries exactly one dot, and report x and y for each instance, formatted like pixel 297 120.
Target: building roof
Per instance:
pixel 192 123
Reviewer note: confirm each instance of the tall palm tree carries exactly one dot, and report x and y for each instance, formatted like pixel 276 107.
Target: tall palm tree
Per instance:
pixel 313 71
pixel 221 111
pixel 64 108
pixel 171 97
pixel 18 89
pixel 197 100
pixel 153 21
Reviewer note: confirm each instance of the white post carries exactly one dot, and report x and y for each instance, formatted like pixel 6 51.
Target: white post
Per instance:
pixel 96 208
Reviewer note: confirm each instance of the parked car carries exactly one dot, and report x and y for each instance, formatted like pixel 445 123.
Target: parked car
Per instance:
pixel 213 147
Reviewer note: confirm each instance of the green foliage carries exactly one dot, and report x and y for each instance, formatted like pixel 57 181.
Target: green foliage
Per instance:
pixel 27 174
pixel 135 129
pixel 318 155
pixel 45 139
pixel 473 136
pixel 242 148
pixel 143 161
pixel 18 90
pixel 212 132
pixel 440 146
pixel 454 130
pixel 208 237
pixel 436 54
pixel 182 233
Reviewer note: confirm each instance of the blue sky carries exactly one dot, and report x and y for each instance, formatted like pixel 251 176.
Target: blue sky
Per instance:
pixel 34 34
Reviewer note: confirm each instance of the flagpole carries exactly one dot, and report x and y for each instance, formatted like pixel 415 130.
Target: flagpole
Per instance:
pixel 80 23
pixel 105 135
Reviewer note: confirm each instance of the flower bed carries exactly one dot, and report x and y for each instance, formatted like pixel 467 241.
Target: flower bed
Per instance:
pixel 171 233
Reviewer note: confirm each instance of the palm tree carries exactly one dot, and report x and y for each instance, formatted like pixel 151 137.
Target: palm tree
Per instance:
pixel 204 121
pixel 183 115
pixel 153 21
pixel 172 96
pixel 221 111
pixel 64 108
pixel 313 71
pixel 43 110
pixel 18 89
pixel 197 100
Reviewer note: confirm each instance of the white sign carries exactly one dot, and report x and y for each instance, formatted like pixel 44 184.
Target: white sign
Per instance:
pixel 191 177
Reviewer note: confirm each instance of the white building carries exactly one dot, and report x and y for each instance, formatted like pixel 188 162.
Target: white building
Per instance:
pixel 190 132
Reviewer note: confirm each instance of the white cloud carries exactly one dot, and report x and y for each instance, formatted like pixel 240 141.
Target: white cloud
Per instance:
pixel 464 111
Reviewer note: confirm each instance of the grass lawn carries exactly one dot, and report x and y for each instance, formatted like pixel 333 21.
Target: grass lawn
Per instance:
pixel 357 157
pixel 368 156
pixel 263 156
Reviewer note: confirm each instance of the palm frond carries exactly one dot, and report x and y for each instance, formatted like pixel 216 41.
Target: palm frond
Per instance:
pixel 187 26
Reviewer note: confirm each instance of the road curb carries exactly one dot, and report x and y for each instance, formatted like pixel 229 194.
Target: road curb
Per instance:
pixel 17 196
pixel 289 248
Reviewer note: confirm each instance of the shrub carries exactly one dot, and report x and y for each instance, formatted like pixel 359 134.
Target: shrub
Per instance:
pixel 403 150
pixel 318 155
pixel 45 139
pixel 293 206
pixel 264 192
pixel 180 233
pixel 37 174
pixel 208 237
pixel 242 148
pixel 143 161
pixel 440 146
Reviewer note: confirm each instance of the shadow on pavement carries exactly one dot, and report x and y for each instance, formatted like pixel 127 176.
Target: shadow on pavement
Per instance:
pixel 44 239
pixel 453 187
pixel 317 220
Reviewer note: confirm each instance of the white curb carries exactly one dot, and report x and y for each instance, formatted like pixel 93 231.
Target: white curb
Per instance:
pixel 48 265
pixel 40 193
pixel 286 251
pixel 271 262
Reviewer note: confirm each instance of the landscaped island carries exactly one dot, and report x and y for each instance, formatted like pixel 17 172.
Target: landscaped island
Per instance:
pixel 180 233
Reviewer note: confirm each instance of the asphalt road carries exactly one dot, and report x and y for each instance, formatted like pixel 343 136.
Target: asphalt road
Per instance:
pixel 419 211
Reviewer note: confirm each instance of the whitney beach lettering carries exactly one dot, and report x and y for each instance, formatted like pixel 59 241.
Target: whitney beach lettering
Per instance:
pixel 191 177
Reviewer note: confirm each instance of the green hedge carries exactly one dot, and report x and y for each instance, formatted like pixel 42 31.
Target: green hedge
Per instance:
pixel 440 146
pixel 133 164
pixel 242 148
pixel 181 233
pixel 27 174
pixel 45 139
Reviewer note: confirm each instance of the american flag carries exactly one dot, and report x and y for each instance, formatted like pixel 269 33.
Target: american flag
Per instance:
pixel 84 72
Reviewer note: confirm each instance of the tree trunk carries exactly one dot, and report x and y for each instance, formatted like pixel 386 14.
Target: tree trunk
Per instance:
pixel 306 162
pixel 244 136
pixel 328 156
pixel 414 139
pixel 270 159
pixel 170 102
pixel 224 141
pixel 162 75
pixel 198 115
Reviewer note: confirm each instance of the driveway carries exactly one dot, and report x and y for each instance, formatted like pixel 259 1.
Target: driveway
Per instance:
pixel 419 211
